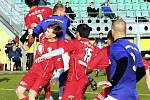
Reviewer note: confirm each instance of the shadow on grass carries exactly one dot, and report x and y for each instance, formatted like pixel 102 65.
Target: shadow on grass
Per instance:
pixel 4 79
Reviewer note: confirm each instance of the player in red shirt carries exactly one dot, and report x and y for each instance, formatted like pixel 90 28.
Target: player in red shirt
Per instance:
pixel 147 69
pixel 40 73
pixel 34 16
pixel 81 51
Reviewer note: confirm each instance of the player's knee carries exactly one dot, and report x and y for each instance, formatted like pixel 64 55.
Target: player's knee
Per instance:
pixel 20 91
pixel 32 94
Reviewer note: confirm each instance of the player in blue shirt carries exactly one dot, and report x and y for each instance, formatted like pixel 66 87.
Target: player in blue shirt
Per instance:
pixel 58 17
pixel 126 65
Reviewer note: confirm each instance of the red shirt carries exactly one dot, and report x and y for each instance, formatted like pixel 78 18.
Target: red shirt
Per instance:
pixel 146 64
pixel 47 65
pixel 101 61
pixel 81 51
pixel 37 14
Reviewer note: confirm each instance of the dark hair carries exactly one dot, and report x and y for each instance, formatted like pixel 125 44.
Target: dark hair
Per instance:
pixel 57 29
pixel 57 6
pixel 100 33
pixel 84 30
pixel 109 35
pixel 31 3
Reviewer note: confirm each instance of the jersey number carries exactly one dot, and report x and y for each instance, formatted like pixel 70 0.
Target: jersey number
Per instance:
pixel 40 17
pixel 88 54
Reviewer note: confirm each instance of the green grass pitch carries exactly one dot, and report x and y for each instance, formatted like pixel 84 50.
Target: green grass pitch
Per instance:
pixel 9 82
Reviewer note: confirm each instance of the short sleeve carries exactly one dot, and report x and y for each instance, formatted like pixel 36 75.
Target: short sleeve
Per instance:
pixel 38 29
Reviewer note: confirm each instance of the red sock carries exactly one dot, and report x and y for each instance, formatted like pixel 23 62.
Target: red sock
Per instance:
pixel 47 91
pixel 25 98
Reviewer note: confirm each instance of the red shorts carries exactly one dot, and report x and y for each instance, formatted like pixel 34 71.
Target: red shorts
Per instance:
pixel 34 81
pixel 75 89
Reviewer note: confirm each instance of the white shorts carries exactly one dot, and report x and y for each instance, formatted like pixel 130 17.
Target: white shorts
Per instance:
pixel 110 98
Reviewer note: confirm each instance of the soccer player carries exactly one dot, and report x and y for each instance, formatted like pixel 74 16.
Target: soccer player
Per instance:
pixel 40 73
pixel 35 15
pixel 147 68
pixel 58 17
pixel 126 65
pixel 81 51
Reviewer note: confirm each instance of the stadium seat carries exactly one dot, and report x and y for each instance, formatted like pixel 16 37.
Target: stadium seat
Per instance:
pixel 145 14
pixel 19 1
pixel 112 1
pixel 128 1
pixel 74 1
pixel 64 1
pixel 121 6
pixel 138 14
pixel 128 6
pixel 143 6
pixel 120 1
pixel 130 13
pixel 83 14
pixel 148 4
pixel 75 8
pixel 25 7
pixel 97 1
pixel 141 1
pixel 82 2
pixel 136 6
pixel 51 1
pixel 135 1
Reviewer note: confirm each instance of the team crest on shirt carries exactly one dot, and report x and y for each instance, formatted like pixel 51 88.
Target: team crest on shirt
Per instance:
pixel 49 49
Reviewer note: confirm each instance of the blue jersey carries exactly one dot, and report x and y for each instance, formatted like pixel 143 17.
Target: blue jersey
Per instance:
pixel 64 22
pixel 125 89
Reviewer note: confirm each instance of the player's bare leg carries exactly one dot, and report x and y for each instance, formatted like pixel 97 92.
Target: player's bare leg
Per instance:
pixel 32 94
pixel 20 93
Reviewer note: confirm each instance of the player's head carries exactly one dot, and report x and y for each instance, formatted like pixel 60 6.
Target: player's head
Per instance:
pixel 119 28
pixel 101 35
pixel 83 30
pixel 31 3
pixel 110 38
pixel 59 9
pixel 53 31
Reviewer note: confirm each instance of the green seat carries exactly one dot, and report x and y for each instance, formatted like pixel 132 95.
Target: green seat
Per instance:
pixel 97 1
pixel 75 8
pixel 83 14
pixel 74 1
pixel 25 7
pixel 136 6
pixel 128 1
pixel 121 6
pixel 19 1
pixel 51 1
pixel 145 14
pixel 82 2
pixel 148 4
pixel 138 14
pixel 112 1
pixel 144 6
pixel 128 6
pixel 141 1
pixel 120 1
pixel 135 1
pixel 64 1
pixel 83 8
pixel 130 13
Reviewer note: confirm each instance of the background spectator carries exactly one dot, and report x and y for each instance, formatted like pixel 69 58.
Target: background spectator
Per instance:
pixel 100 41
pixel 92 11
pixel 8 46
pixel 107 11
pixel 69 11
pixel 15 56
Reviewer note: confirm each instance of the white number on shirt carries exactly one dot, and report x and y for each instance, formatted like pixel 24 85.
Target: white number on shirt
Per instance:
pixel 40 17
pixel 88 54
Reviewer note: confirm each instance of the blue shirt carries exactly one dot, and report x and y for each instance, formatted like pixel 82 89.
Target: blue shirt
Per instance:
pixel 126 87
pixel 64 22
pixel 106 9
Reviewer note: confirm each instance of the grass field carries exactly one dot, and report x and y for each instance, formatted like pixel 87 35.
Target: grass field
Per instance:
pixel 9 82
